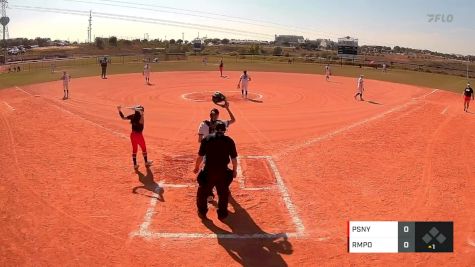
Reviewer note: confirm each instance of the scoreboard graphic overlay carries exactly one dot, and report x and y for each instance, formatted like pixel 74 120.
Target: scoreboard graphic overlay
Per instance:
pixel 395 236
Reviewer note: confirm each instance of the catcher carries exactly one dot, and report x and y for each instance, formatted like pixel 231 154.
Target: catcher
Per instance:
pixel 208 127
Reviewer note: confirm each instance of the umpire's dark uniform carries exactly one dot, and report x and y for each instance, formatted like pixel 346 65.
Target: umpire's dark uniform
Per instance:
pixel 103 67
pixel 218 149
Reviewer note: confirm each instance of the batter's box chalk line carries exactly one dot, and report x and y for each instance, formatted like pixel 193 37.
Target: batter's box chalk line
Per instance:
pixel 145 232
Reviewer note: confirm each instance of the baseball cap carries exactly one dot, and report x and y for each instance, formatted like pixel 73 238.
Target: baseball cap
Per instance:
pixel 214 110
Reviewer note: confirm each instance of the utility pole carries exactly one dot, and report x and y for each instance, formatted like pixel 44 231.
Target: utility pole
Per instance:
pixel 468 62
pixel 89 29
pixel 4 20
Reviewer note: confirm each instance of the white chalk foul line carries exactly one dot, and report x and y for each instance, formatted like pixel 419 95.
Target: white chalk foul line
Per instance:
pixel 349 127
pixel 19 89
pixel 8 105
pixel 79 116
pixel 91 122
pixel 445 110
pixel 144 231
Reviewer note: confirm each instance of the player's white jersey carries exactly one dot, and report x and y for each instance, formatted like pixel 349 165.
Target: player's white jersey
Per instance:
pixel 245 79
pixel 66 78
pixel 146 70
pixel 360 84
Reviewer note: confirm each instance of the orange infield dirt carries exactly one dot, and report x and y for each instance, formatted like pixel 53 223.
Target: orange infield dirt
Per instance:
pixel 311 159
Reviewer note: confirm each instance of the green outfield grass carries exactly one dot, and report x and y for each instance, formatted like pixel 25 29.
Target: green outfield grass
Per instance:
pixel 89 68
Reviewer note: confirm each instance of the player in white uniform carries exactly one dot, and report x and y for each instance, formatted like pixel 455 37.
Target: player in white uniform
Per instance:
pixel 66 79
pixel 384 67
pixel 244 79
pixel 360 88
pixel 146 73
pixel 327 72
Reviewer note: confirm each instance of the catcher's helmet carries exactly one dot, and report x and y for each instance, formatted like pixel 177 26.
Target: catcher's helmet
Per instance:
pixel 220 126
pixel 218 97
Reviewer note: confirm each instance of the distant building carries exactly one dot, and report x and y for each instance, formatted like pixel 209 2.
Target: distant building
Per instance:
pixel 292 40
pixel 325 43
pixel 238 41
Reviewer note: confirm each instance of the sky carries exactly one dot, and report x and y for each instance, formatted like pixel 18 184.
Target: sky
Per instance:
pixel 373 22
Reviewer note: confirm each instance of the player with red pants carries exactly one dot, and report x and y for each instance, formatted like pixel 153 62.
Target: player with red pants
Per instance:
pixel 467 94
pixel 136 137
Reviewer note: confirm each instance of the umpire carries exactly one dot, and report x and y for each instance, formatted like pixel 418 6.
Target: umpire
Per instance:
pixel 218 149
pixel 103 63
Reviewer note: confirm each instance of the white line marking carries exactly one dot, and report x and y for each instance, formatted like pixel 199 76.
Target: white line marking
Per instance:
pixel 144 231
pixel 286 196
pixel 176 185
pixel 155 235
pixel 185 96
pixel 349 127
pixel 19 89
pixel 471 242
pixel 445 110
pixel 10 107
pixel 148 216
pixel 338 131
pixel 91 122
pixel 240 176
pixel 425 95
pixel 258 188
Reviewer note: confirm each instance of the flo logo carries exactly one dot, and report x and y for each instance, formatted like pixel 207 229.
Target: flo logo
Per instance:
pixel 443 18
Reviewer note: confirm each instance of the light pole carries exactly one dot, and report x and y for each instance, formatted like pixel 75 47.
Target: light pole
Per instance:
pixel 468 61
pixel 4 21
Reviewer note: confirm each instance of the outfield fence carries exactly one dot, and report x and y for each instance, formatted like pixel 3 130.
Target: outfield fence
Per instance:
pixel 60 63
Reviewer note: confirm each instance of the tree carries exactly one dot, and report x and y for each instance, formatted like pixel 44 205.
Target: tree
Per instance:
pixel 172 41
pixel 42 41
pixel 254 49
pixel 277 51
pixel 99 42
pixel 207 41
pixel 225 41
pixel 113 41
pixel 179 41
pixel 216 41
